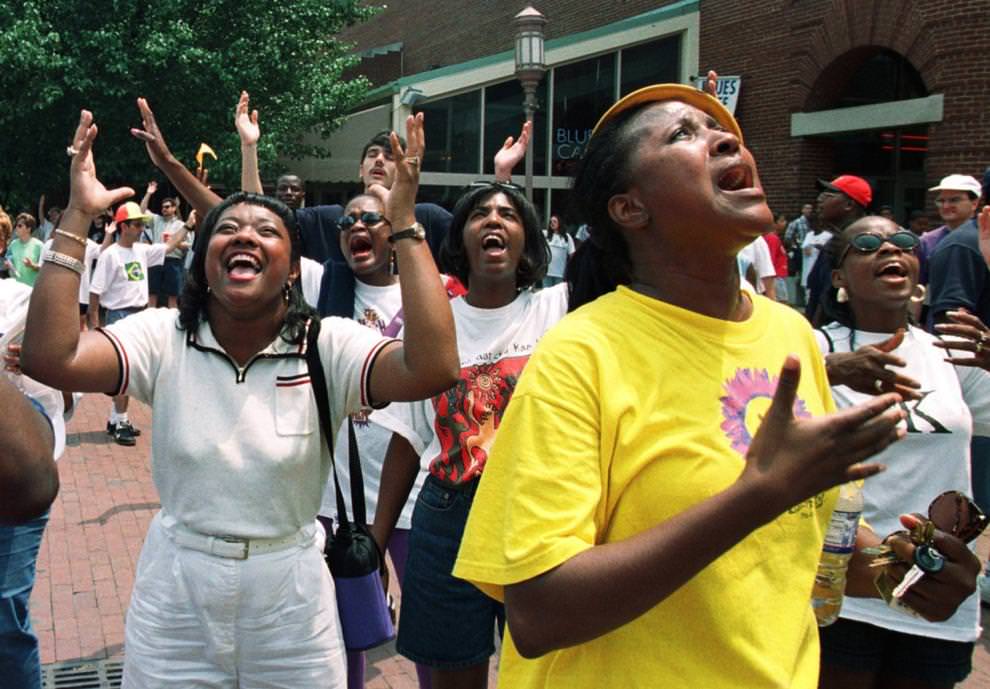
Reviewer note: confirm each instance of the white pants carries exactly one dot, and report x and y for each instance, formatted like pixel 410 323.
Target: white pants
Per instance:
pixel 197 620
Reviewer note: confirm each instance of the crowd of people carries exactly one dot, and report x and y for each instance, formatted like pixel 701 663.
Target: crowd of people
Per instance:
pixel 617 450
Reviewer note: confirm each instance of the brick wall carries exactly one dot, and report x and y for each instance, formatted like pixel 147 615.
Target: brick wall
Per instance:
pixel 795 54
pixel 437 33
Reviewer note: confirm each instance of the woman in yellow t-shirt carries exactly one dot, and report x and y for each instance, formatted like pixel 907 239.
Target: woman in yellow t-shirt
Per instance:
pixel 655 503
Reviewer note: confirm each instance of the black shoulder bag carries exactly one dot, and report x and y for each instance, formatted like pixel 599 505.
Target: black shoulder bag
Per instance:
pixel 356 564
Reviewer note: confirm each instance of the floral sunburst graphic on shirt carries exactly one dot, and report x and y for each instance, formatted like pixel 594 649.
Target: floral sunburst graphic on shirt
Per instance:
pixel 747 399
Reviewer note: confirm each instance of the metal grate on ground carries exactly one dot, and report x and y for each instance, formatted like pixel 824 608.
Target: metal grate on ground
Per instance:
pixel 89 674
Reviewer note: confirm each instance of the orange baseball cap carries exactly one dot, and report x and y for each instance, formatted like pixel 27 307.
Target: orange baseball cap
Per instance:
pixel 686 94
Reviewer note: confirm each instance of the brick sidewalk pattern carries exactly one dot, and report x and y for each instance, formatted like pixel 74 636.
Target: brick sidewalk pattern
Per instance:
pixel 93 540
pixel 91 547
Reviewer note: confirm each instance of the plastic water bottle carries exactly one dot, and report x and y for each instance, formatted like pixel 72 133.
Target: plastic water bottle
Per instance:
pixel 840 539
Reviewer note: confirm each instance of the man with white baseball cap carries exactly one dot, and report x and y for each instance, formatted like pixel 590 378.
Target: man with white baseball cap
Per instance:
pixel 956 200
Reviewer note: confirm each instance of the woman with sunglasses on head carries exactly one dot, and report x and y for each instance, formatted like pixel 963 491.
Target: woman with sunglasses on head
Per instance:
pixel 870 348
pixel 496 248
pixel 231 589
pixel 655 506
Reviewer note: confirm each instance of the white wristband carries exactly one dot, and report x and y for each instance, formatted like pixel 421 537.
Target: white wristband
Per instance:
pixel 64 260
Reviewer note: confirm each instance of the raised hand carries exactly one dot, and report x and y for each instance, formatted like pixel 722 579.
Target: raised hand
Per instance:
pixel 400 201
pixel 512 152
pixel 246 121
pixel 865 370
pixel 973 336
pixel 87 194
pixel 152 187
pixel 151 135
pixel 711 84
pixel 792 459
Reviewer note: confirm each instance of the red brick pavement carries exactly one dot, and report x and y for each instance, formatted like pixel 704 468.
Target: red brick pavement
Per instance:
pixel 91 547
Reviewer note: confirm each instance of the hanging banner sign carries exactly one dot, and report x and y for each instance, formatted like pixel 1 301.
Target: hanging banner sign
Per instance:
pixel 726 90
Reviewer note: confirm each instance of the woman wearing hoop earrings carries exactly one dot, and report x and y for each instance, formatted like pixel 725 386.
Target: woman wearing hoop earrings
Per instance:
pixel 871 348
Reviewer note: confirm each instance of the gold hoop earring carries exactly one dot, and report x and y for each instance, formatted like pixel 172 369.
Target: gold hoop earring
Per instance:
pixel 921 295
pixel 841 295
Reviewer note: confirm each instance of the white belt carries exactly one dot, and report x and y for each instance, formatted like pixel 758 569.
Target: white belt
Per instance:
pixel 236 548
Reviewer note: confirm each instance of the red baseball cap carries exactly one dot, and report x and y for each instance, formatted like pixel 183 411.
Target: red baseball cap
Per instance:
pixel 856 188
pixel 130 211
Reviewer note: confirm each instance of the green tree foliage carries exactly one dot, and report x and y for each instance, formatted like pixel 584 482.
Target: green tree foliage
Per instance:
pixel 190 58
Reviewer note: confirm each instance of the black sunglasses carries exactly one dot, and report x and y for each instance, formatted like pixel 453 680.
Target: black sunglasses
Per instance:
pixel 369 218
pixel 868 242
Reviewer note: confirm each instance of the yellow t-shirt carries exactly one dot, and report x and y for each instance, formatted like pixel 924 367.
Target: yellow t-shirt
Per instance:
pixel 630 411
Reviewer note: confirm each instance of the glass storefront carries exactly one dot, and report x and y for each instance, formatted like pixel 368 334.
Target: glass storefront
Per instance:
pixel 504 117
pixel 462 139
pixel 582 92
pixel 452 127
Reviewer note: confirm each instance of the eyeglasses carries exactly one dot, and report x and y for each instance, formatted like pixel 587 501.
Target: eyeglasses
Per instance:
pixel 368 218
pixel 869 242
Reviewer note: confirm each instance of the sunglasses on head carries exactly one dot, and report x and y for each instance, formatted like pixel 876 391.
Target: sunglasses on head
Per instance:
pixel 868 242
pixel 482 184
pixel 368 218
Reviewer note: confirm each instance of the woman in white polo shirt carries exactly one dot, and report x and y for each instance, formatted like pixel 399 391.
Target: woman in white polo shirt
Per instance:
pixel 230 586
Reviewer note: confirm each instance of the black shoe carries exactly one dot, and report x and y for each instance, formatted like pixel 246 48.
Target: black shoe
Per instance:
pixel 123 434
pixel 134 431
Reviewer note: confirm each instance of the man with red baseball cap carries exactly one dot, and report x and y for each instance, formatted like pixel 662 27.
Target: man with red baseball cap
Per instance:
pixel 120 284
pixel 840 203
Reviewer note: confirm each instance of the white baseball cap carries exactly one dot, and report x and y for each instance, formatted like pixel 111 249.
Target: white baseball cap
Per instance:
pixel 959 183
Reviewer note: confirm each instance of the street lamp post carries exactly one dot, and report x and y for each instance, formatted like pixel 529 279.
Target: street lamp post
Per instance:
pixel 530 67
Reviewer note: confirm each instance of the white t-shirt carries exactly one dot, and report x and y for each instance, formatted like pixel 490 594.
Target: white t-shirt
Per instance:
pixel 311 275
pixel 121 275
pixel 815 241
pixel 561 247
pixel 14 298
pixel 932 458
pixel 238 451
pixel 756 254
pixel 91 255
pixel 374 307
pixel 494 346
pixel 162 231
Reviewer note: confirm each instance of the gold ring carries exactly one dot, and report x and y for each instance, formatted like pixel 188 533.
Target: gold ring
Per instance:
pixel 878 385
pixel 979 347
pixel 413 159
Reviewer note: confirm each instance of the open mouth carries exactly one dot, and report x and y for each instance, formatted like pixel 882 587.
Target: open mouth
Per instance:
pixel 735 178
pixel 493 244
pixel 895 270
pixel 243 266
pixel 359 246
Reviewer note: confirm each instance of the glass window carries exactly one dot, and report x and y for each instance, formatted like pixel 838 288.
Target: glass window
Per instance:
pixel 581 93
pixel 504 116
pixel 657 62
pixel 452 127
